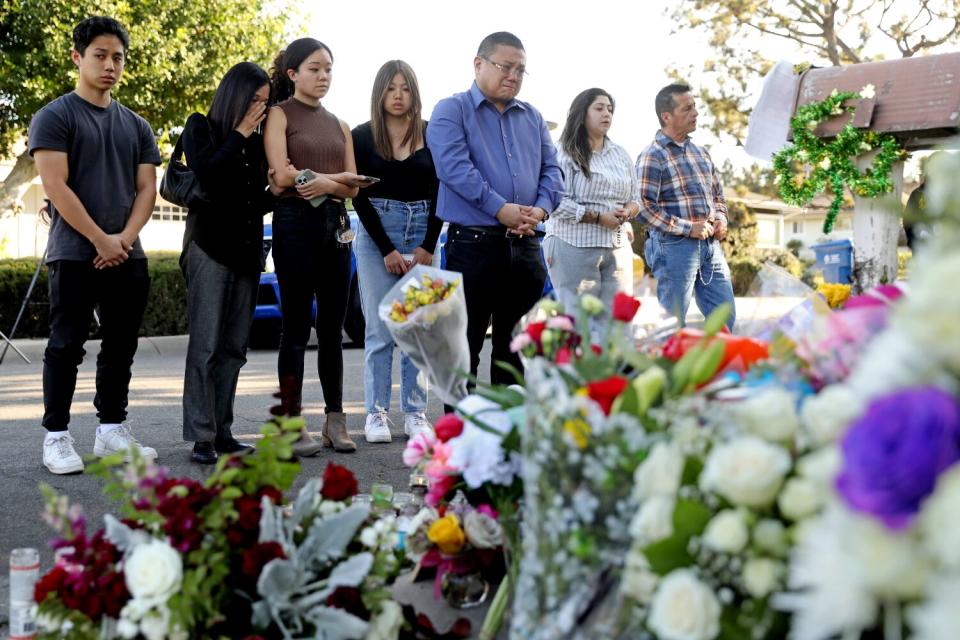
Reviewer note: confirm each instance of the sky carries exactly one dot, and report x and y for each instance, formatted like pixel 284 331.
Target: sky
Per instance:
pixel 571 46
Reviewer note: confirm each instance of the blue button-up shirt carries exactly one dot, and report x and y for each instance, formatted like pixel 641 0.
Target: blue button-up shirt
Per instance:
pixel 485 158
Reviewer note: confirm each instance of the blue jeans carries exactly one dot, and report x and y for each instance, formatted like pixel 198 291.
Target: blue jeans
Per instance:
pixel 686 268
pixel 406 225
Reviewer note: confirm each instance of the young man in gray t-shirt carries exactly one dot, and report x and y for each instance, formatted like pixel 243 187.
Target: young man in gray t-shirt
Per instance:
pixel 97 160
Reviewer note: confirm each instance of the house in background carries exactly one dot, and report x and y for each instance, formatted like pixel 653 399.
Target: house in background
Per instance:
pixel 778 222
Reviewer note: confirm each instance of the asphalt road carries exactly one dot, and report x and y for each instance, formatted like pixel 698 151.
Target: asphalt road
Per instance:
pixel 155 415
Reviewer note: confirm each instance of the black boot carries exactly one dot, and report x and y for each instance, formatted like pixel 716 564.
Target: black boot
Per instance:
pixel 204 453
pixel 231 445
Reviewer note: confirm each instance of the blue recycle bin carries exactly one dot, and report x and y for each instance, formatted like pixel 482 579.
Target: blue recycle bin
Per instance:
pixel 835 260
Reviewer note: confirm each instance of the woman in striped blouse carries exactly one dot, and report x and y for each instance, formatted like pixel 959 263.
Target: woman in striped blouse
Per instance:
pixel 601 195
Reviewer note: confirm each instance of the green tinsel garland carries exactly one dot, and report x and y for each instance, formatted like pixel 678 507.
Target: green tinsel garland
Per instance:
pixel 832 163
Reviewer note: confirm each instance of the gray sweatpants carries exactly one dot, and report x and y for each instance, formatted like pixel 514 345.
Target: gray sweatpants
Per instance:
pixel 220 305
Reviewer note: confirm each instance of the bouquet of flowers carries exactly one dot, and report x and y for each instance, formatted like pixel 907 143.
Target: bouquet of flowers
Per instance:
pixel 426 314
pixel 224 558
pixel 882 558
pixel 588 426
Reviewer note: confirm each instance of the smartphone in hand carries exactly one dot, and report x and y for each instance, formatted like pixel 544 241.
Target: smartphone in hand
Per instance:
pixel 303 178
pixel 368 180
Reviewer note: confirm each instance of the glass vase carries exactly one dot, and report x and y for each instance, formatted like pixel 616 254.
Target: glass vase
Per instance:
pixel 464 590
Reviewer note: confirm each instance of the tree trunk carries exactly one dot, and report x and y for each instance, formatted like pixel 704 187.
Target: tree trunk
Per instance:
pixel 13 188
pixel 876 232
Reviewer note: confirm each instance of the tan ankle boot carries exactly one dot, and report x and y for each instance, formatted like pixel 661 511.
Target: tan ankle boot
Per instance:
pixel 307 445
pixel 335 433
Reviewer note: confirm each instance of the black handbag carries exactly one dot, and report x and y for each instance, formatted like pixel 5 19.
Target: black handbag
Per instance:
pixel 179 184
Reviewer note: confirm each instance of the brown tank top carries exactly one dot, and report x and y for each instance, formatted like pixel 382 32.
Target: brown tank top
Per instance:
pixel 315 139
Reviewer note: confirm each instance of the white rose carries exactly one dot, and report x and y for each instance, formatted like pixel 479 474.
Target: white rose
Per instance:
pixel 800 498
pixel 762 576
pixel 154 624
pixel 660 472
pixel 369 538
pixel 654 521
pixel 386 626
pixel 639 582
pixel 747 471
pixel 822 466
pixel 770 414
pixel 684 609
pixel 482 531
pixel 153 571
pixel 727 532
pixel 826 415
pixel 938 519
pixel 771 536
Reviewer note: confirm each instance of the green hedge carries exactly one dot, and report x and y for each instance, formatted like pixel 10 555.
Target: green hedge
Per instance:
pixel 166 312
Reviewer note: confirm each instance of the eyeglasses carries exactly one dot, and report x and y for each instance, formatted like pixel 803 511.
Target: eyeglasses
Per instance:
pixel 508 70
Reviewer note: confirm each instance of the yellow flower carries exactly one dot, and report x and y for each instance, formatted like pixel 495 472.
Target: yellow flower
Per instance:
pixel 579 430
pixel 447 534
pixel 835 293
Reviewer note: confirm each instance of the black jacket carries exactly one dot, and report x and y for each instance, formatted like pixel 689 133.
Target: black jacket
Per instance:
pixel 233 173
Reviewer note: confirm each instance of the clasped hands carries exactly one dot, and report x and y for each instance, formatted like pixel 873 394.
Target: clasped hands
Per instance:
pixel 520 219
pixel 714 226
pixel 112 249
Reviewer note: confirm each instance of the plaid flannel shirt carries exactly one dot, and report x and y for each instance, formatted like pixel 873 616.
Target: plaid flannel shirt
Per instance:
pixel 678 186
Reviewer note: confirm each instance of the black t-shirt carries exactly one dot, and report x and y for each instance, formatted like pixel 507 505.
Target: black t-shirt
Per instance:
pixel 233 174
pixel 408 180
pixel 104 147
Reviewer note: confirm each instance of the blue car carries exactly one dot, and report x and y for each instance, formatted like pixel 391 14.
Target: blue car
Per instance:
pixel 265 333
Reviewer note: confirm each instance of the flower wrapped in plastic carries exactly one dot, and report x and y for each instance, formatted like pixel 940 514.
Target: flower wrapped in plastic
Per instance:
pixel 426 313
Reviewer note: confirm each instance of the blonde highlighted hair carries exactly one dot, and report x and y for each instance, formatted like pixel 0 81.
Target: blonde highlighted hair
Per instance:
pixel 381 84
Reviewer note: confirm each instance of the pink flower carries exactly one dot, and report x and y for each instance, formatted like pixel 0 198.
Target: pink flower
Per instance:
pixel 520 341
pixel 439 487
pixel 438 466
pixel 417 447
pixel 561 323
pixel 488 510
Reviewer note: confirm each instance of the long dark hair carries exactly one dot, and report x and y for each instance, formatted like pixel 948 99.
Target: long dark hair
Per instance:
pixel 232 99
pixel 574 139
pixel 291 58
pixel 381 137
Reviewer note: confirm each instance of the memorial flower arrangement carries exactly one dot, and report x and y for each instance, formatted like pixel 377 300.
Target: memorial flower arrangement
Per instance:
pixel 832 163
pixel 590 423
pixel 222 558
pixel 882 559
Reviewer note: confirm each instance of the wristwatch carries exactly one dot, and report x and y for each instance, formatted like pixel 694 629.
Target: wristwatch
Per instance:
pixel 546 216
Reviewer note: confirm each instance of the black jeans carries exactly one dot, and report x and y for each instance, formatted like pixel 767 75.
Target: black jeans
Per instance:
pixel 311 262
pixel 120 294
pixel 502 279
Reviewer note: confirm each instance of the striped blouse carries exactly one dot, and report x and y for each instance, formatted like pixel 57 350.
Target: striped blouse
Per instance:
pixel 612 185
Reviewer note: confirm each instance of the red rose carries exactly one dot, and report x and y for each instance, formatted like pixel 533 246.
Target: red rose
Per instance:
pixel 448 426
pixel 256 557
pixel 624 307
pixel 339 483
pixel 597 349
pixel 49 583
pixel 534 330
pixel 564 355
pixel 604 392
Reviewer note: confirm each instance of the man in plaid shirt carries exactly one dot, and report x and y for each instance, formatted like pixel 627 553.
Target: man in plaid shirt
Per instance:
pixel 681 201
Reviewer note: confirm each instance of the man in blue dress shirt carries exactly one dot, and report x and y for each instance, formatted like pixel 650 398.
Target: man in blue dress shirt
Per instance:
pixel 499 178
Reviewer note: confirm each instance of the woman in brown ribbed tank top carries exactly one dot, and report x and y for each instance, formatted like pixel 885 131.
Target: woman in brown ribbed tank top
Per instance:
pixel 309 258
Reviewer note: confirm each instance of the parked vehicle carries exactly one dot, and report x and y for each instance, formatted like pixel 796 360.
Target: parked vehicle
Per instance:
pixel 265 333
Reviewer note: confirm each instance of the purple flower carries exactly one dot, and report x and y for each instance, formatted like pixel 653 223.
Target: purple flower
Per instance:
pixel 894 453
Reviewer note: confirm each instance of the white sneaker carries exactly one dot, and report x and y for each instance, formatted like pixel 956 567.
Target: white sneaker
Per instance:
pixel 414 423
pixel 59 456
pixel 377 428
pixel 120 439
